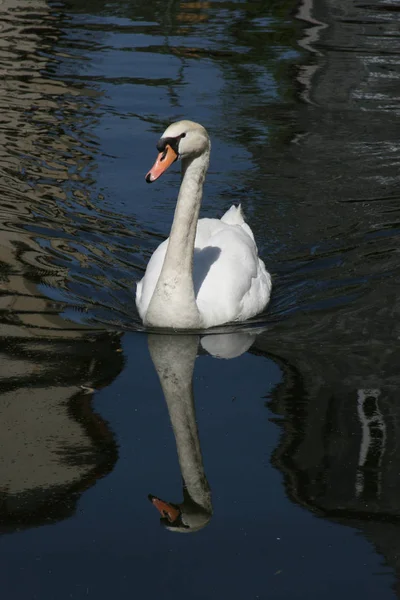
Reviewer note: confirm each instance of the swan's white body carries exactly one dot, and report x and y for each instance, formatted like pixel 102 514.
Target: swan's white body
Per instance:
pixel 207 272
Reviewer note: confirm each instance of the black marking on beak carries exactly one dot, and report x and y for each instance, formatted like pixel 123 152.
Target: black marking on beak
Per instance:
pixel 171 141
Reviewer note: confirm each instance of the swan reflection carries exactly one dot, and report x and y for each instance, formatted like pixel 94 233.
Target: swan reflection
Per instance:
pixel 174 357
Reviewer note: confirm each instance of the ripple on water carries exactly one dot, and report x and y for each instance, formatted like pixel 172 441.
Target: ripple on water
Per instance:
pixel 86 96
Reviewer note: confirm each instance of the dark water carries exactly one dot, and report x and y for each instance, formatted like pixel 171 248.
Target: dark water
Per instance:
pixel 291 478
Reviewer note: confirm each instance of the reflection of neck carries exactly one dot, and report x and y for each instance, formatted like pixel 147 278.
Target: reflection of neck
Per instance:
pixel 173 303
pixel 173 358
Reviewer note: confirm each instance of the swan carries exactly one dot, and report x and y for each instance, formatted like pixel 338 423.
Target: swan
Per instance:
pixel 207 272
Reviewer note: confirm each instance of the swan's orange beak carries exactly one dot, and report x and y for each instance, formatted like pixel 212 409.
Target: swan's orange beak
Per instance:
pixel 164 160
pixel 165 509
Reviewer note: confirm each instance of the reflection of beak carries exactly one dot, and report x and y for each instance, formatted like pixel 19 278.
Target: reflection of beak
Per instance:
pixel 166 510
pixel 164 160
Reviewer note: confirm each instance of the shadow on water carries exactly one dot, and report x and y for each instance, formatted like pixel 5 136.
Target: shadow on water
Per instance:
pixel 300 101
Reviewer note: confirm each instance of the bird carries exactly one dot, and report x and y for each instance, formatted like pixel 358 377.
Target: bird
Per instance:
pixel 208 271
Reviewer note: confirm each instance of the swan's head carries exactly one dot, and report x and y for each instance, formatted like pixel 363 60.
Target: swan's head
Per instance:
pixel 183 139
pixel 187 517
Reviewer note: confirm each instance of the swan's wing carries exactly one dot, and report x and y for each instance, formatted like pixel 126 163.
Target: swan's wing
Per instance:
pixel 207 228
pixel 146 286
pixel 230 280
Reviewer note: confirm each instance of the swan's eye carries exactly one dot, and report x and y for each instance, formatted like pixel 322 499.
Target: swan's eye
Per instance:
pixel 182 135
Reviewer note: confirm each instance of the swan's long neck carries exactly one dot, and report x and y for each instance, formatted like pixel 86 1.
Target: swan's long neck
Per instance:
pixel 173 358
pixel 173 303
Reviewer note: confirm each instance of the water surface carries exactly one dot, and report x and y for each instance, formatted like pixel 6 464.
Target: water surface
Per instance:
pixel 291 433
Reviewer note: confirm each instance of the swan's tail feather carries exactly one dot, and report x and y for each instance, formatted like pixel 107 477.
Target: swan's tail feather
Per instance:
pixel 233 216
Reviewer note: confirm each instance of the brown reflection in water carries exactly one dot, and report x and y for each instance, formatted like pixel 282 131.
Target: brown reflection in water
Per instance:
pixel 52 445
pixel 29 170
pixel 47 165
pixel 192 12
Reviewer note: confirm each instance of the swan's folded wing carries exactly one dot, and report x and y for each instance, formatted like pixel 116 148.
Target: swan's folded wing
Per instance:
pixel 234 285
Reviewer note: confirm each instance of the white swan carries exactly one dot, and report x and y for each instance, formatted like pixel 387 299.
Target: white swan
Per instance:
pixel 208 272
